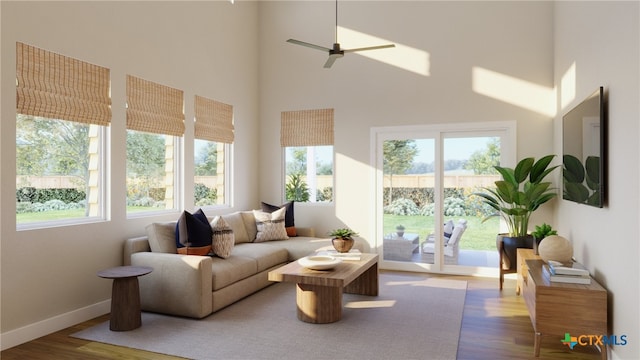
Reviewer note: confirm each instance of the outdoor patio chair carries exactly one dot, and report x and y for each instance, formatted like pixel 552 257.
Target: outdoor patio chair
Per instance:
pixel 451 247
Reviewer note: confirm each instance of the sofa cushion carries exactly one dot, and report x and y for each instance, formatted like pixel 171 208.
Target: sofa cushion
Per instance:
pixel 289 220
pixel 223 238
pixel 162 237
pixel 270 225
pixel 232 269
pixel 265 255
pixel 235 221
pixel 249 224
pixel 193 233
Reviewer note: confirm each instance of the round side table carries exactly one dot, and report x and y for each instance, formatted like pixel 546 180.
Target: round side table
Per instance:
pixel 125 296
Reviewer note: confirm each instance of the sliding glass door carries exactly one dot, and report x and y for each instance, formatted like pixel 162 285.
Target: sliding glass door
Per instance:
pixel 427 214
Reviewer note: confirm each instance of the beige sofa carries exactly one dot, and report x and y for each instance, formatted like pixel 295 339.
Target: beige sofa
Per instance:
pixel 196 286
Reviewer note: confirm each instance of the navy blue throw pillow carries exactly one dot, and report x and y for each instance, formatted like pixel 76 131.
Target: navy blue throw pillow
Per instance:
pixel 193 233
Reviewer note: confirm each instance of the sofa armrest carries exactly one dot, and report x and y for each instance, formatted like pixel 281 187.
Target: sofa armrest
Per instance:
pixel 134 245
pixel 178 285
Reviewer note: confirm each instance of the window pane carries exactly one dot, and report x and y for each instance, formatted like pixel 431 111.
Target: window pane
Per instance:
pixel 209 173
pixel 57 166
pixel 150 171
pixel 469 167
pixel 408 203
pixel 309 173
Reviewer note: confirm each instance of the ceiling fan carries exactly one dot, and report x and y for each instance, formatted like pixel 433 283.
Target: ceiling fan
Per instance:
pixel 336 52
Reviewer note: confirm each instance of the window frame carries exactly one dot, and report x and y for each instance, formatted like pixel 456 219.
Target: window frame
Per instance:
pixel 228 184
pixel 178 188
pixel 506 130
pixel 285 176
pixel 104 135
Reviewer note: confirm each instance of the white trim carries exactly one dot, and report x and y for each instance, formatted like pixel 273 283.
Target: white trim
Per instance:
pixel 33 331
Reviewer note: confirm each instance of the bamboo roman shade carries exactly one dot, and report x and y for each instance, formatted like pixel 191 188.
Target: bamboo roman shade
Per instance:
pixel 306 127
pixel 54 86
pixel 154 108
pixel 214 120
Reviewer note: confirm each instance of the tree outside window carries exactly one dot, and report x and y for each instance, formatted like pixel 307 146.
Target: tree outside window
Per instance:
pixel 209 161
pixel 54 168
pixel 150 176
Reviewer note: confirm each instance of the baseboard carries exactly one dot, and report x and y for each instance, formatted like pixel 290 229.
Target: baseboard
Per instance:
pixel 33 331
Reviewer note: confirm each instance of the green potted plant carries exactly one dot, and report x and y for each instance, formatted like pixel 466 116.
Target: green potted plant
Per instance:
pixel 342 239
pixel 520 192
pixel 400 230
pixel 541 232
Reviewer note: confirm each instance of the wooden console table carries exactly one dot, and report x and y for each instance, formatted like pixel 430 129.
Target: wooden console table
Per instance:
pixel 522 255
pixel 559 308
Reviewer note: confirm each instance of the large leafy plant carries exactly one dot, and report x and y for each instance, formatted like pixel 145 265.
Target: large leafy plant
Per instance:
pixel 520 192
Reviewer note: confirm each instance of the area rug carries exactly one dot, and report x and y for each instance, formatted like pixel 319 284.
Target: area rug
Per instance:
pixel 414 317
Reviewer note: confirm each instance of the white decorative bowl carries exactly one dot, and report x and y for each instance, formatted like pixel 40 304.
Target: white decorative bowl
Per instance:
pixel 319 262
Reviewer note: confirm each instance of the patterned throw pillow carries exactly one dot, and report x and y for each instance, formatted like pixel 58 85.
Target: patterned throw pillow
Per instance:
pixel 193 234
pixel 223 238
pixel 289 220
pixel 270 225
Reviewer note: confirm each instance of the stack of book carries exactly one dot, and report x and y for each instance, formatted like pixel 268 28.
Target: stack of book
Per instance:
pixel 353 254
pixel 575 273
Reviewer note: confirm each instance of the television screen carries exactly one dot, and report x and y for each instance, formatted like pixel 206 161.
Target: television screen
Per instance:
pixel 583 145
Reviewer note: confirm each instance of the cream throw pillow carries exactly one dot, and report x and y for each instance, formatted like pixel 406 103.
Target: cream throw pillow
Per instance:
pixel 270 225
pixel 223 238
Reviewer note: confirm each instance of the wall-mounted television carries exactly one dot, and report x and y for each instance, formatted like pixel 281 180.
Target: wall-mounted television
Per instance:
pixel 583 151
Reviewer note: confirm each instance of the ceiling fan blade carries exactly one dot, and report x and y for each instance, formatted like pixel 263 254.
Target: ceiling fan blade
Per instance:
pixel 332 58
pixel 313 46
pixel 370 48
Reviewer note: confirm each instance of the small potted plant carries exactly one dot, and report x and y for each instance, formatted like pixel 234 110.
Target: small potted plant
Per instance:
pixel 342 239
pixel 400 230
pixel 540 233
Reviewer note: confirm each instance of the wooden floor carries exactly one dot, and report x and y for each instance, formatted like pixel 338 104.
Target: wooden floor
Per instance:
pixel 495 325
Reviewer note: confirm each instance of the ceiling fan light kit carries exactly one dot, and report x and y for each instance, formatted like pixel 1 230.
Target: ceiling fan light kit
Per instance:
pixel 336 51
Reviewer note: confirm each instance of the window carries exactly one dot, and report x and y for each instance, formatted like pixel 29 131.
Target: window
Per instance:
pixel 309 173
pixel 307 139
pixel 151 174
pixel 155 123
pixel 62 114
pixel 213 138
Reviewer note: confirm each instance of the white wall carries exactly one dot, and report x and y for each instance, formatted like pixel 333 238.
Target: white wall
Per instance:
pixel 211 48
pixel 602 40
pixel 207 48
pixel 511 39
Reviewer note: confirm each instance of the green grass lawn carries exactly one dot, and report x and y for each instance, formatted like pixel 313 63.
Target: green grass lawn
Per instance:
pixel 478 236
pixel 51 215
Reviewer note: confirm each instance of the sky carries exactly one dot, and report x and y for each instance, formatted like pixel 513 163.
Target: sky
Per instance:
pixel 454 148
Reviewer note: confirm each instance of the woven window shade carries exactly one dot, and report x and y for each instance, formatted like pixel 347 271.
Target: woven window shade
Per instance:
pixel 214 120
pixel 59 87
pixel 306 127
pixel 154 108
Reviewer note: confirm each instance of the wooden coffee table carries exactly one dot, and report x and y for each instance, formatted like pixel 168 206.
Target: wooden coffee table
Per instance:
pixel 319 293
